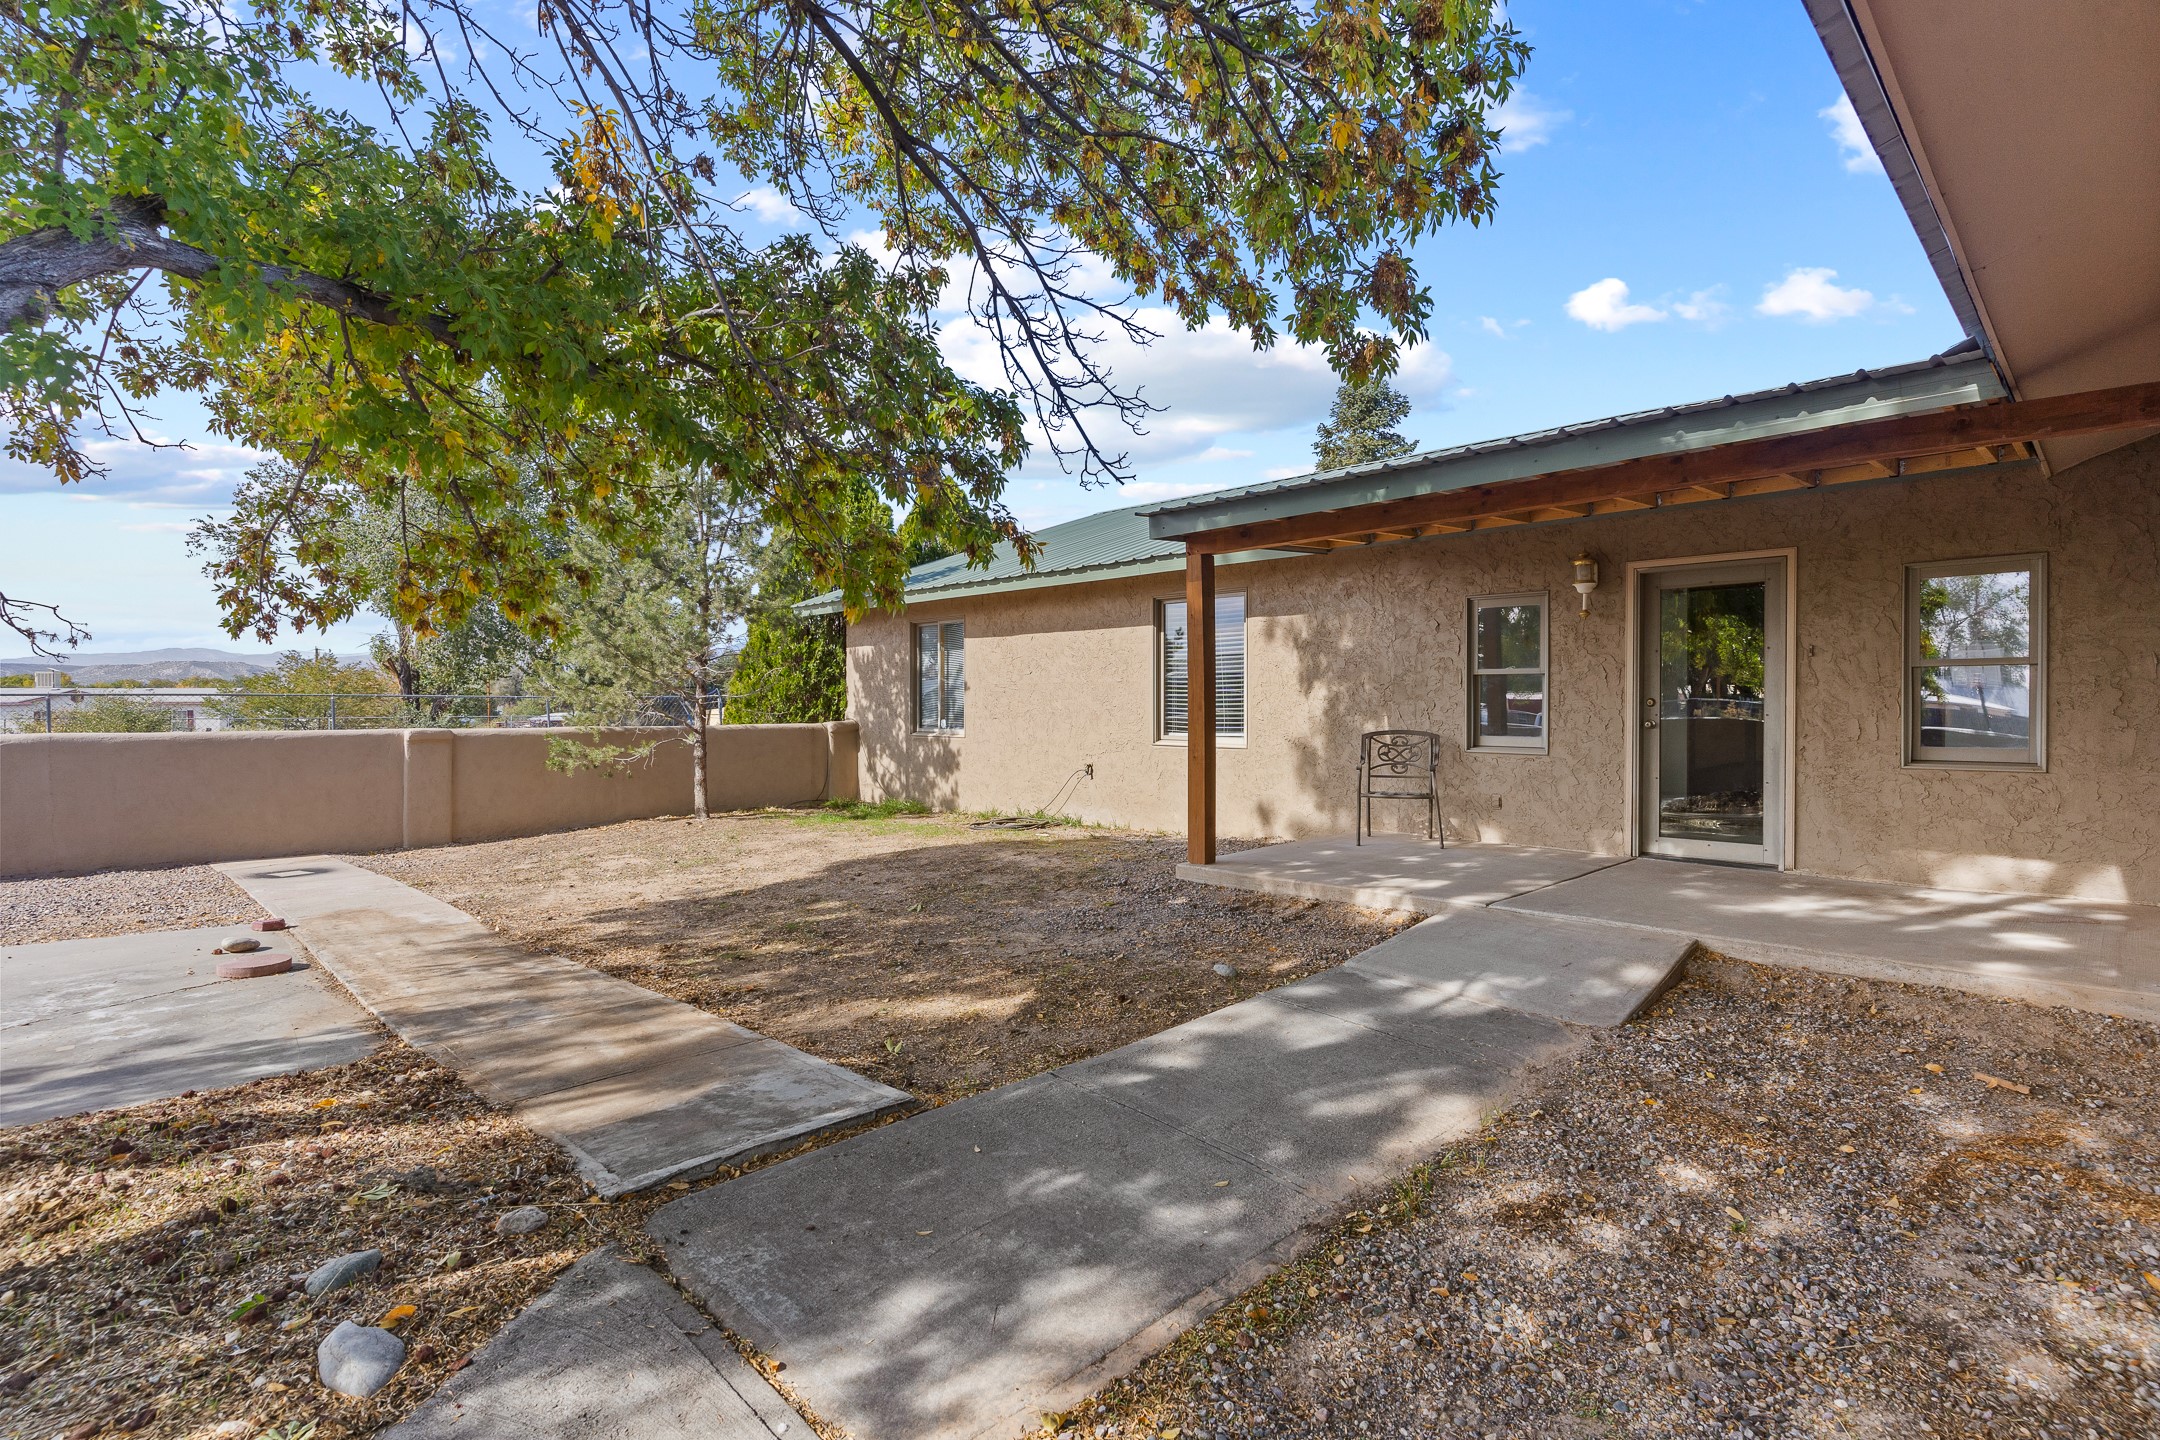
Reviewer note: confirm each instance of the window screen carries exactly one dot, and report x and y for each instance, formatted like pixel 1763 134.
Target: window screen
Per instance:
pixel 1507 672
pixel 940 676
pixel 1973 661
pixel 1229 667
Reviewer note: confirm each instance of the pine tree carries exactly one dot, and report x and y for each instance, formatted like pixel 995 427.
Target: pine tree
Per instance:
pixel 1361 426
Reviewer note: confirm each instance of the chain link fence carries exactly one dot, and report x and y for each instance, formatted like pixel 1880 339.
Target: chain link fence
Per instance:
pixel 153 712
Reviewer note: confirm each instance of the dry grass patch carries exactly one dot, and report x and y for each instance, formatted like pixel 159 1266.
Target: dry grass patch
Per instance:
pixel 919 951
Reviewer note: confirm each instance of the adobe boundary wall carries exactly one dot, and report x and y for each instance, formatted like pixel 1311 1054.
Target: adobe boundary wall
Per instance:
pixel 76 803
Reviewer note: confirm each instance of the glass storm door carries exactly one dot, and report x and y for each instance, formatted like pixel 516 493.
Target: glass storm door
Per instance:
pixel 1712 712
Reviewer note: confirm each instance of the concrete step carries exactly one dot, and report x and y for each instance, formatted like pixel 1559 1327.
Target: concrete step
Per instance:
pixel 1577 971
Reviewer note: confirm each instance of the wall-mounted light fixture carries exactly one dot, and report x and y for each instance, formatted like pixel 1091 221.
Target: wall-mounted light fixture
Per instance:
pixel 1585 578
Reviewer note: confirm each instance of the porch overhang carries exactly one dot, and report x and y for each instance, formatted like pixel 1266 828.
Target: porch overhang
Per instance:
pixel 1987 436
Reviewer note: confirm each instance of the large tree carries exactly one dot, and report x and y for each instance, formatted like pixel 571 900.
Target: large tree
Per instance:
pixel 300 211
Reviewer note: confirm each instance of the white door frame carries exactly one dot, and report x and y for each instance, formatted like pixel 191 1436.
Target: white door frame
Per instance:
pixel 1788 686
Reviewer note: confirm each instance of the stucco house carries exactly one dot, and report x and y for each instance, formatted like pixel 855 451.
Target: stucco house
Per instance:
pixel 1898 625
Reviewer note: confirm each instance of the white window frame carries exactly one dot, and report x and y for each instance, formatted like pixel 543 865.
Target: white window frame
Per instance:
pixel 1507 744
pixel 1936 757
pixel 923 725
pixel 1230 738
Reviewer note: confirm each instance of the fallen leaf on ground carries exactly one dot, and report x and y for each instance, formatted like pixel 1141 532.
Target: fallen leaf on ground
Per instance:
pixel 1996 1082
pixel 397 1315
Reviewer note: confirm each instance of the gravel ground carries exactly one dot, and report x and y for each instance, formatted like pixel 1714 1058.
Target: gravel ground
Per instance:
pixel 128 1239
pixel 1779 1205
pixel 119 902
pixel 922 952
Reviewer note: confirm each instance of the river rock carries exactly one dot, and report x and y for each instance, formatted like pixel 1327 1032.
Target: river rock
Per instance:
pixel 239 944
pixel 358 1360
pixel 521 1221
pixel 338 1273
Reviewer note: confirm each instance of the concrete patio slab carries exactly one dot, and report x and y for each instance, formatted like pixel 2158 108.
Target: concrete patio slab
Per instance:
pixel 640 1089
pixel 610 1353
pixel 2087 954
pixel 1394 872
pixel 1573 970
pixel 1005 1255
pixel 94 1024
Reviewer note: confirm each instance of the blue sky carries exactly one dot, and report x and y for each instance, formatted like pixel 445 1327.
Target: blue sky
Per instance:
pixel 1678 220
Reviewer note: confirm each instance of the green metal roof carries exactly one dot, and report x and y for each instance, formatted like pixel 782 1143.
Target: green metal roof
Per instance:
pixel 1147 540
pixel 1962 376
pixel 1110 545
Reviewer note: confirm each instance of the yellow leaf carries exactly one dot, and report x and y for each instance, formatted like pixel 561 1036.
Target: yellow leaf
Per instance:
pixel 1934 1067
pixel 1845 1150
pixel 325 1103
pixel 1220 1183
pixel 398 1315
pixel 2151 1279
pixel 1736 1214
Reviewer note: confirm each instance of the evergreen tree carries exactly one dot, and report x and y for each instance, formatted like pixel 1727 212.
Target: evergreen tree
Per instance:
pixel 1361 426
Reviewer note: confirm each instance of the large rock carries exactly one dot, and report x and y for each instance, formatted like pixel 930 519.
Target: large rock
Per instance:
pixel 521 1221
pixel 338 1273
pixel 358 1360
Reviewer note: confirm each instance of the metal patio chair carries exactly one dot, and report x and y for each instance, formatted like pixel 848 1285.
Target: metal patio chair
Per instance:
pixel 1399 765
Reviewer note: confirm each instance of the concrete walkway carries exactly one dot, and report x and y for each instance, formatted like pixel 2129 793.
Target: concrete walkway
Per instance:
pixel 1005 1255
pixel 639 1088
pixel 94 1024
pixel 610 1353
pixel 2088 954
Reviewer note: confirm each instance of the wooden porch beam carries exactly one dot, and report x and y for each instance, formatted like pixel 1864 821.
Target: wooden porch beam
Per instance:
pixel 1199 707
pixel 1837 451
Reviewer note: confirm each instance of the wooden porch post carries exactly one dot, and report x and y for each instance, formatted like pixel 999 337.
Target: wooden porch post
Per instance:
pixel 1199 707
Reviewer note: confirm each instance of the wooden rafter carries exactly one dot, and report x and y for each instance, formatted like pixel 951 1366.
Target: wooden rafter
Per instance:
pixel 1869 450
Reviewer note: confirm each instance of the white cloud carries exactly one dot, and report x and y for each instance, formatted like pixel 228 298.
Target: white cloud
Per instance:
pixel 201 473
pixel 1209 383
pixel 1492 327
pixel 1284 472
pixel 1807 293
pixel 1851 136
pixel 1526 122
pixel 1605 306
pixel 1704 307
pixel 769 205
pixel 161 527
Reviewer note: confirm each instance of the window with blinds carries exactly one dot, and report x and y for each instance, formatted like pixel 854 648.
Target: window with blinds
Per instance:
pixel 941 676
pixel 1229 667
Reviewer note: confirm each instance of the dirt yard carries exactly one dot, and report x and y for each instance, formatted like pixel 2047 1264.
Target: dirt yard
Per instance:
pixel 1781 1205
pixel 919 951
pixel 133 1242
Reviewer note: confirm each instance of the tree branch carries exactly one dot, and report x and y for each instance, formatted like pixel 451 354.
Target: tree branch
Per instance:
pixel 35 267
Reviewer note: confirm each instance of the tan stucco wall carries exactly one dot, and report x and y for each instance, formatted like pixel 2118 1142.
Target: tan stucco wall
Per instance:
pixel 71 803
pixel 1365 639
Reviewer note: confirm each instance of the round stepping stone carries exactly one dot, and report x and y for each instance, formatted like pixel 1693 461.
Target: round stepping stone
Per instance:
pixel 239 944
pixel 272 922
pixel 252 967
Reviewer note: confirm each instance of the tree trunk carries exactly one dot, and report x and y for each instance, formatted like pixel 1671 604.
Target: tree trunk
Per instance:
pixel 697 742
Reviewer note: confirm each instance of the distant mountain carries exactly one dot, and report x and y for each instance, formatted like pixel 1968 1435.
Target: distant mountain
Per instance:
pixel 92 667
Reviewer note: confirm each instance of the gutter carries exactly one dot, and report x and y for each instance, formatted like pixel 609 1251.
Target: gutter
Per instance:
pixel 1839 30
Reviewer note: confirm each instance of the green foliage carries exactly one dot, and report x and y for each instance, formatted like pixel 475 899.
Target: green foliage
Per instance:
pixel 873 810
pixel 1361 426
pixel 791 670
pixel 110 715
pixel 295 695
pixel 373 301
pixel 568 755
